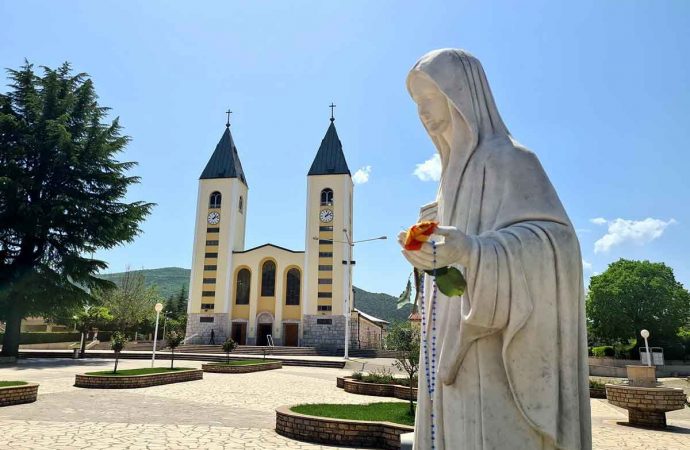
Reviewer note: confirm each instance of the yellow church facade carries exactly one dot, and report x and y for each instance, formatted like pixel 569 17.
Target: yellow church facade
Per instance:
pixel 270 295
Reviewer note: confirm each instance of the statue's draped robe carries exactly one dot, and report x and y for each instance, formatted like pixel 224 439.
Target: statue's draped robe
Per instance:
pixel 512 359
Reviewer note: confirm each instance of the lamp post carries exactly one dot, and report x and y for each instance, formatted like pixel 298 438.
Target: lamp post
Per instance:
pixel 645 335
pixel 350 245
pixel 158 308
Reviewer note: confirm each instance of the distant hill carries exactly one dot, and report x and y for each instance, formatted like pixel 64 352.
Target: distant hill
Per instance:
pixel 380 305
pixel 170 280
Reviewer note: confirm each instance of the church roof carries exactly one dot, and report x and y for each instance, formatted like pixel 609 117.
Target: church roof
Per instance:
pixel 268 245
pixel 224 162
pixel 330 159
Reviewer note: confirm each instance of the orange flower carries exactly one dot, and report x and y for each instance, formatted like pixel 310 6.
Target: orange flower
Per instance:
pixel 418 234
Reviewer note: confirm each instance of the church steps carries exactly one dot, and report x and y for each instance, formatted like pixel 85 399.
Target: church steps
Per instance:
pixel 178 357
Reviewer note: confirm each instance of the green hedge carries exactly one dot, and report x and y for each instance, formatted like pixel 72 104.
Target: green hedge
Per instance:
pixel 602 351
pixel 45 338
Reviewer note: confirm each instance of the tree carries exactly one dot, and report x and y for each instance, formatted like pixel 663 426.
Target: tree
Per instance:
pixel 174 340
pixel 404 339
pixel 632 295
pixel 61 194
pixel 89 318
pixel 132 302
pixel 228 347
pixel 117 343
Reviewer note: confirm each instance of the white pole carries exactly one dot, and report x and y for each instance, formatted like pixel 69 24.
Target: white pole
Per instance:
pixel 645 335
pixel 649 355
pixel 347 299
pixel 159 308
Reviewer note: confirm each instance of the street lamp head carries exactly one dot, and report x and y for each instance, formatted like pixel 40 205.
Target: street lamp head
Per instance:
pixel 383 237
pixel 644 333
pixel 158 307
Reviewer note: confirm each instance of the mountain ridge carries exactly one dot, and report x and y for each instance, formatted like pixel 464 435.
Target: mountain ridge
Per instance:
pixel 169 281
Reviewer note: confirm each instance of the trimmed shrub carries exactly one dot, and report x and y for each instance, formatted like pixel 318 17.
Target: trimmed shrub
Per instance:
pixel 603 351
pixel 42 337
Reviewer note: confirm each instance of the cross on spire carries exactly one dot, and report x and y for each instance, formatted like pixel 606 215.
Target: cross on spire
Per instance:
pixel 227 124
pixel 332 106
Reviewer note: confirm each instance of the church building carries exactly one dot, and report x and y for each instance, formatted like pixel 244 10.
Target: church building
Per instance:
pixel 269 294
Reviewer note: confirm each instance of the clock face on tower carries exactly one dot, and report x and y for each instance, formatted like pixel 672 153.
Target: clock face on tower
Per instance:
pixel 326 215
pixel 213 218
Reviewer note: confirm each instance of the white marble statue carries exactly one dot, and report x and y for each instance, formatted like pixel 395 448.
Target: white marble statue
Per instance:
pixel 511 352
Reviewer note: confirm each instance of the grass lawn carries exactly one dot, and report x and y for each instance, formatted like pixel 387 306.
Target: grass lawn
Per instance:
pixel 12 383
pixel 242 362
pixel 397 412
pixel 142 371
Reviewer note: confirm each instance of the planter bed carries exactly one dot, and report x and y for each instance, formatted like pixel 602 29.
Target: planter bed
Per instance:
pixel 376 389
pixel 242 366
pixel 17 392
pixel 128 379
pixel 340 432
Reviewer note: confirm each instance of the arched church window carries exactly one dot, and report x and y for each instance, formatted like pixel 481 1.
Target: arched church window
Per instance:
pixel 293 286
pixel 327 197
pixel 268 279
pixel 214 200
pixel 241 206
pixel 244 278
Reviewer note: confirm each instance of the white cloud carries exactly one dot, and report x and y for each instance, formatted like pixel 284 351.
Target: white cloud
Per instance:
pixel 586 265
pixel 362 175
pixel 429 170
pixel 622 231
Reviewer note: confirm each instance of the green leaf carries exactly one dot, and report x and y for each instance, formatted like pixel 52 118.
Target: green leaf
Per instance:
pixel 449 281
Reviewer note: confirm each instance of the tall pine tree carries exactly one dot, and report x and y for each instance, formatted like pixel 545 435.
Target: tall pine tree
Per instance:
pixel 61 194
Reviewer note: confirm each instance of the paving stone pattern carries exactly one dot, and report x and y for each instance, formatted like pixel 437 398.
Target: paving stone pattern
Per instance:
pixel 221 411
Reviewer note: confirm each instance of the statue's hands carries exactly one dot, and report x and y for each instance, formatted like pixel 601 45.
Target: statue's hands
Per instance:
pixel 455 249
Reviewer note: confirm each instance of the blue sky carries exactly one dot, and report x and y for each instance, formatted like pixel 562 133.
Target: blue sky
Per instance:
pixel 600 91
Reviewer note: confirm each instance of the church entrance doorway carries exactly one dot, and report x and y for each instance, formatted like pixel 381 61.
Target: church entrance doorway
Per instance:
pixel 262 331
pixel 291 331
pixel 239 333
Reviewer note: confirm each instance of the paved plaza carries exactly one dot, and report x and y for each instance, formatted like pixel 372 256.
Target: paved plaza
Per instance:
pixel 221 411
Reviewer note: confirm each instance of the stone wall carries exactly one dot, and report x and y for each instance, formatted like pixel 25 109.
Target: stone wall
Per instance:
pixel 15 395
pixel 136 381
pixel 224 368
pixel 202 330
pixel 377 389
pixel 340 432
pixel 327 336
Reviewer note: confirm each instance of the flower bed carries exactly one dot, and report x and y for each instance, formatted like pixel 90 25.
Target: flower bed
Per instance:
pixel 132 379
pixel 17 392
pixel 242 366
pixel 341 432
pixel 376 389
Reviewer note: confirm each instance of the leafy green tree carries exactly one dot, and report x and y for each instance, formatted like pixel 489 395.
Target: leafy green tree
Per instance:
pixel 634 295
pixel 117 343
pixel 89 318
pixel 132 302
pixel 174 339
pixel 61 194
pixel 228 347
pixel 403 337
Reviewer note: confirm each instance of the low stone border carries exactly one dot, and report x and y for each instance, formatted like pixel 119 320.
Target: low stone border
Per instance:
pixel 597 393
pixel 340 432
pixel 375 389
pixel 15 395
pixel 646 406
pixel 136 381
pixel 221 368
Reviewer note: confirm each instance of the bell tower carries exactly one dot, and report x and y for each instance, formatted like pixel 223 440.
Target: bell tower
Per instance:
pixel 328 229
pixel 219 230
